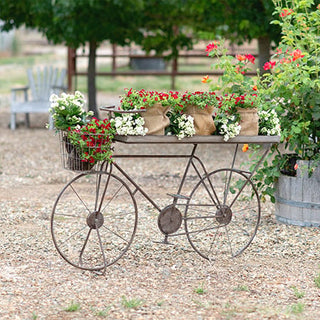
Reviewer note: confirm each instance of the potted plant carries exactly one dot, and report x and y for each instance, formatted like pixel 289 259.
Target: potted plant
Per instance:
pixel 239 101
pixel 156 105
pixel 200 105
pixel 129 124
pixel 292 89
pixel 68 110
pixel 90 144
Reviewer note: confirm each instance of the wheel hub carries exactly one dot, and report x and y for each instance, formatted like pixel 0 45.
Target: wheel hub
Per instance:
pixel 224 214
pixel 95 220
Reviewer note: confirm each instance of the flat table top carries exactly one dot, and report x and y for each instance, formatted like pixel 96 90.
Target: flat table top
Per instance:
pixel 158 139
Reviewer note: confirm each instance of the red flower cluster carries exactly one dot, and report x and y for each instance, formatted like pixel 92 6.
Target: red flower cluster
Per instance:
pixel 244 99
pixel 269 65
pixel 143 98
pixel 285 12
pixel 246 57
pixel 212 46
pixel 93 140
pixel 296 54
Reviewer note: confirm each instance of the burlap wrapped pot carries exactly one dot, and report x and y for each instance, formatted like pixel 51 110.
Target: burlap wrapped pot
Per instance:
pixel 203 121
pixel 156 119
pixel 249 121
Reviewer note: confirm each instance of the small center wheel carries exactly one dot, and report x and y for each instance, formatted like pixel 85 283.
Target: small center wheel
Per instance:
pixel 224 214
pixel 95 220
pixel 169 220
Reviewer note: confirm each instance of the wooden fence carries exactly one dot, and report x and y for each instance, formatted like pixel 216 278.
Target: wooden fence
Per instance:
pixel 173 72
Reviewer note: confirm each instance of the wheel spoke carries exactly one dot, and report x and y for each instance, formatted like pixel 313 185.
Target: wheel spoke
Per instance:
pixel 78 196
pixel 116 234
pixel 110 200
pixel 72 236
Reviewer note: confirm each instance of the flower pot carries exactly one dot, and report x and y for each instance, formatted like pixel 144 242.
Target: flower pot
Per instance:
pixel 249 121
pixel 203 120
pixel 156 119
pixel 297 198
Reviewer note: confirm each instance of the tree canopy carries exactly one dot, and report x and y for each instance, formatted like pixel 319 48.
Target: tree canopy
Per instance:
pixel 238 21
pixel 77 22
pixel 163 26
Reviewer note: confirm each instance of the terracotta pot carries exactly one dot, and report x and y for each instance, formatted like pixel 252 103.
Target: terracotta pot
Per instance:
pixel 203 121
pixel 249 121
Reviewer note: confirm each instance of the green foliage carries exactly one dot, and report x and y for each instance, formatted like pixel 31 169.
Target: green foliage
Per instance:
pixel 242 287
pixel 73 307
pixel 293 85
pixel 298 294
pixel 317 280
pixel 238 21
pixel 292 89
pixel 34 316
pixel 200 290
pixel 296 308
pixel 131 303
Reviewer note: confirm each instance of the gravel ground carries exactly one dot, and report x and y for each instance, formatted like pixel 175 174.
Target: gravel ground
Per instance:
pixel 273 279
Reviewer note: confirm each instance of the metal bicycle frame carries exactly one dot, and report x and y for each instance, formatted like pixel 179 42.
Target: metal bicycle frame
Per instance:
pixel 192 159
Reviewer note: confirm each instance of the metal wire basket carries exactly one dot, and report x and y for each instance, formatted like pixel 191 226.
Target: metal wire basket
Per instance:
pixel 70 155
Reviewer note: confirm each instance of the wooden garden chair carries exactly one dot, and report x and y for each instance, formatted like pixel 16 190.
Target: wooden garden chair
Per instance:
pixel 42 83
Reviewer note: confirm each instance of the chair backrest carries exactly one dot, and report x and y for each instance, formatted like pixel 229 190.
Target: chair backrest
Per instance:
pixel 42 82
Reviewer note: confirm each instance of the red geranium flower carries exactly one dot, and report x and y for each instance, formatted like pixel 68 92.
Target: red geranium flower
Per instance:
pixel 269 65
pixel 285 12
pixel 211 47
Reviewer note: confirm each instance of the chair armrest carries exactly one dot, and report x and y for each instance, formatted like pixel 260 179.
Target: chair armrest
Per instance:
pixel 19 89
pixel 15 93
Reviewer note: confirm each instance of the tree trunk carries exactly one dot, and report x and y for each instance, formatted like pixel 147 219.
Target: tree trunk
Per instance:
pixel 264 44
pixel 92 78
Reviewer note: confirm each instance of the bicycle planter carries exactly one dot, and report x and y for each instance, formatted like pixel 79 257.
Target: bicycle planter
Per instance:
pixel 94 218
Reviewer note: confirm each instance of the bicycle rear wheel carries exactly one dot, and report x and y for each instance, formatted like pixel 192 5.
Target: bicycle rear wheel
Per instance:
pixel 223 214
pixel 94 220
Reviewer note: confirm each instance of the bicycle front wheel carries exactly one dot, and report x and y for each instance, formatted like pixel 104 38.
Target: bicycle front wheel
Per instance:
pixel 222 214
pixel 94 220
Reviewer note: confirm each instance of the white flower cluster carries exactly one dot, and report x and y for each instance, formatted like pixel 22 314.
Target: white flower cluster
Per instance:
pixel 269 123
pixel 67 99
pixel 228 127
pixel 186 126
pixel 128 124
